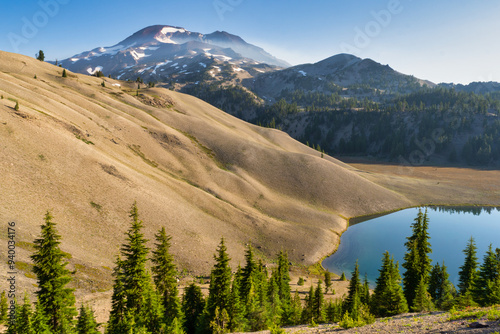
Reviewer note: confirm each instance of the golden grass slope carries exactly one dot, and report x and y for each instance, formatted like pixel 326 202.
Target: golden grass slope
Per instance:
pixel 87 152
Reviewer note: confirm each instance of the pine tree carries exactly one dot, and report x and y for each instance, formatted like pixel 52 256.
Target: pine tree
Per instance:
pixel 416 260
pixel 219 295
pixel 64 74
pixel 388 298
pixel 165 277
pixel 134 252
pixel 52 277
pixel 467 273
pixel 193 304
pixel 220 322
pixel 86 323
pixel 488 273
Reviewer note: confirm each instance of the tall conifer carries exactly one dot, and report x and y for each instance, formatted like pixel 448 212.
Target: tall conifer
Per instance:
pixel 416 260
pixel 220 283
pixel 165 277
pixel 468 271
pixel 135 276
pixel 52 277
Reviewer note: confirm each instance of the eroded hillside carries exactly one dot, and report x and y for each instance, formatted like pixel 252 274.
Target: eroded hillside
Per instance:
pixel 86 148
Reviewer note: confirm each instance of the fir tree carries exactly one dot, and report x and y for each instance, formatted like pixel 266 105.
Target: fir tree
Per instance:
pixel 308 310
pixel 441 289
pixel 416 260
pixel 40 55
pixel 318 305
pixel 353 299
pixel 273 305
pixel 488 273
pixel 24 320
pixel 12 327
pixel 365 291
pixel 283 278
pixel 422 301
pixel 117 318
pixel 40 320
pixel 165 277
pixel 388 298
pixel 296 309
pixel 134 252
pixel 328 281
pixel 16 107
pixel 52 277
pixel 4 308
pixel 64 74
pixel 86 323
pixel 192 307
pixel 175 327
pixel 247 273
pixel 220 322
pixel 152 314
pixel 467 273
pixel 236 311
pixel 219 295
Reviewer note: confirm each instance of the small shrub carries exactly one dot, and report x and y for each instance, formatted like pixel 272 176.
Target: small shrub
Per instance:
pixel 34 77
pixel 96 206
pixel 64 74
pixel 300 281
pixel 103 84
pixel 16 108
pixel 343 278
pixel 276 330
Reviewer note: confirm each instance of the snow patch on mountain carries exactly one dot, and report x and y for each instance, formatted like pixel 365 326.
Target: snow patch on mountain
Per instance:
pixel 92 71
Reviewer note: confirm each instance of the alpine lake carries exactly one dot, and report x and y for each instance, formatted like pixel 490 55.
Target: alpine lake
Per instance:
pixel 450 229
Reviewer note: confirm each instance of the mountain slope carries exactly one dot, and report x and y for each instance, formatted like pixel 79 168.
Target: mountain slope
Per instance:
pixel 87 152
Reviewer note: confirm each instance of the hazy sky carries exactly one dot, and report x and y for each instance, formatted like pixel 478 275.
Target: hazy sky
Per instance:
pixel 441 40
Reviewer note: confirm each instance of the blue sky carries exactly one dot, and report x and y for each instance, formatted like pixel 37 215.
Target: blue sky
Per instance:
pixel 442 41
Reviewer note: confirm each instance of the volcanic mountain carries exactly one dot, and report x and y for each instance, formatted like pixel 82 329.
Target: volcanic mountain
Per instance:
pixel 167 54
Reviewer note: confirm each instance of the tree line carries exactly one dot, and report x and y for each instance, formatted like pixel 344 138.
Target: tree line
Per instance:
pixel 146 298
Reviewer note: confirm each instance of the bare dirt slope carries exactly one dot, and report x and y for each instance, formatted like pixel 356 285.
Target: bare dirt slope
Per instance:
pixel 87 152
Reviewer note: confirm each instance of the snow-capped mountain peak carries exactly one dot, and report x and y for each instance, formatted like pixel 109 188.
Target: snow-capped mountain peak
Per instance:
pixel 173 54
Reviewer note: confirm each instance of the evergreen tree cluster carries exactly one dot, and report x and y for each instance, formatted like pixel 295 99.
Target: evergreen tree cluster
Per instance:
pixel 146 299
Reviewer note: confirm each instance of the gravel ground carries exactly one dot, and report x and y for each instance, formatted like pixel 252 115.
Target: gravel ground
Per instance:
pixel 436 322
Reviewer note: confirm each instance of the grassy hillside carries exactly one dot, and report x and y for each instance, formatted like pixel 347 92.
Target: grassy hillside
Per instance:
pixel 86 148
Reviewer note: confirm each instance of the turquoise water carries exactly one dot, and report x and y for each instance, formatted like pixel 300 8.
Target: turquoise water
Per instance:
pixel 450 229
